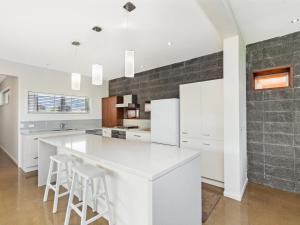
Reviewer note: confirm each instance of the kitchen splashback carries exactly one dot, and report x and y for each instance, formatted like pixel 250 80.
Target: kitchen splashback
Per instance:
pixel 55 124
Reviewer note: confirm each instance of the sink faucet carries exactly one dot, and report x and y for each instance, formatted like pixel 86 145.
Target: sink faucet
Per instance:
pixel 62 126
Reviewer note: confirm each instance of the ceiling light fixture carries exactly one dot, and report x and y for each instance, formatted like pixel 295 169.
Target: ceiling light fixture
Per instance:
pixel 97 74
pixel 295 20
pixel 169 43
pixel 76 80
pixel 75 77
pixel 97 29
pixel 129 54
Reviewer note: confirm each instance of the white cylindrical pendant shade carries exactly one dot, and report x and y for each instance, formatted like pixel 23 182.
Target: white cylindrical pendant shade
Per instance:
pixel 97 74
pixel 129 63
pixel 75 81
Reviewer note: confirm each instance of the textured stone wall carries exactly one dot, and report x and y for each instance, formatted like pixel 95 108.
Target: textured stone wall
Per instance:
pixel 273 117
pixel 162 83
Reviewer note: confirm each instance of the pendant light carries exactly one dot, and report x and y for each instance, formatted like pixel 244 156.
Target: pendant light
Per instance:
pixel 75 77
pixel 129 63
pixel 76 80
pixel 97 74
pixel 129 54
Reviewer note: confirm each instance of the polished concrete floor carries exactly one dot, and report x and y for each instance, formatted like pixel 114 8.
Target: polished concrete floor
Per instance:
pixel 21 204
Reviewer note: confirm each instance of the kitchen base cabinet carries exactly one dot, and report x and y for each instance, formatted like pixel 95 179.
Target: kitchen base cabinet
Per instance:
pixel 212 158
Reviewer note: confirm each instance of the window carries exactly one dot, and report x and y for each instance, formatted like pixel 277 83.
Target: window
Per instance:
pixel 51 103
pixel 280 77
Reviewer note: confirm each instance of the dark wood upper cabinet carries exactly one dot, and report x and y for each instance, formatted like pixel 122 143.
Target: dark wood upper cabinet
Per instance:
pixel 112 116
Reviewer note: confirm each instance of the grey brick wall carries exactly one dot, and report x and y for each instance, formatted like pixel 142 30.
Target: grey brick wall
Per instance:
pixel 273 117
pixel 164 82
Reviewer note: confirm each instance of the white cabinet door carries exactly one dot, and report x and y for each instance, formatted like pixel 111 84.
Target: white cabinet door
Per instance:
pixel 190 110
pixel 138 136
pixel 212 157
pixel 30 152
pixel 212 110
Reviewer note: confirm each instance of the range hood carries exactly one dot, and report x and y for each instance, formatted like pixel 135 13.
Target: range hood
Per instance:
pixel 129 101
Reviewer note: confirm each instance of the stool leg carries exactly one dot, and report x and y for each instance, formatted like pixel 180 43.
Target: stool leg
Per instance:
pixel 57 185
pixel 48 181
pixel 80 184
pixel 84 202
pixel 70 201
pixel 110 217
pixel 68 176
pixel 94 200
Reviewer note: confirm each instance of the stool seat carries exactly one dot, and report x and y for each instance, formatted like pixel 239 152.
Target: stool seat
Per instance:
pixel 62 158
pixel 89 171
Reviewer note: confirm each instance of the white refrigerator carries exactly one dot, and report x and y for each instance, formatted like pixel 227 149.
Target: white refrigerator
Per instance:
pixel 165 121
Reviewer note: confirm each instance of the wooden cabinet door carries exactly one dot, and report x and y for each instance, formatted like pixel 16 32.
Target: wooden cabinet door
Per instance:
pixel 111 116
pixel 105 112
pixel 190 110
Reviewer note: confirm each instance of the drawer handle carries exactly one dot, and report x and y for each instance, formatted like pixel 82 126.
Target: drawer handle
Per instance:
pixel 206 135
pixel 185 141
pixel 206 144
pixel 137 136
pixel 184 132
pixel 36 157
pixel 35 139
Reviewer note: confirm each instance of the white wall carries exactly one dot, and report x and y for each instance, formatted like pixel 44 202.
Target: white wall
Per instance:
pixel 49 81
pixel 235 154
pixel 32 78
pixel 9 119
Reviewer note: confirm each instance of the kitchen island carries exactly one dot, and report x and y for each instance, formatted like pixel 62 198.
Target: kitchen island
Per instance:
pixel 149 184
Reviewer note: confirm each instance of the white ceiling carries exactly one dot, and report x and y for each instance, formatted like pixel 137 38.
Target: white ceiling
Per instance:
pixel 40 33
pixel 263 19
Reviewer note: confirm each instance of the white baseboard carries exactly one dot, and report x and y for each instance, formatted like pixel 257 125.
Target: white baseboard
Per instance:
pixel 235 196
pixel 213 182
pixel 9 155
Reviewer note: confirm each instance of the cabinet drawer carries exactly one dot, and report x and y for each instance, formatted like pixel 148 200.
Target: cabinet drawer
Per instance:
pixel 138 136
pixel 30 160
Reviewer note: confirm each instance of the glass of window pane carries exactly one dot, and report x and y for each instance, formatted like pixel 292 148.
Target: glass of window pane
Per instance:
pixel 45 103
pixel 78 104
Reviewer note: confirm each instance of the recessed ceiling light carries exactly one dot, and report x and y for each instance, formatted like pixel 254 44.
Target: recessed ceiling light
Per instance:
pixel 295 20
pixel 170 43
pixel 97 29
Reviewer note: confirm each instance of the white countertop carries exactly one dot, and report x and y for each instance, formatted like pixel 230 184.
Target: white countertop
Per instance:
pixel 42 132
pixel 147 160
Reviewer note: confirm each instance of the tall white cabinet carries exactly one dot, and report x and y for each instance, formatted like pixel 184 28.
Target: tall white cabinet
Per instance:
pixel 201 126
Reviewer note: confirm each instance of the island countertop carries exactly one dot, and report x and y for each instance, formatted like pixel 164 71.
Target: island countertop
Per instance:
pixel 147 160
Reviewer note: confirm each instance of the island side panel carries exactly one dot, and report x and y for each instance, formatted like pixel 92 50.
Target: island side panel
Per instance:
pixel 44 152
pixel 177 196
pixel 130 195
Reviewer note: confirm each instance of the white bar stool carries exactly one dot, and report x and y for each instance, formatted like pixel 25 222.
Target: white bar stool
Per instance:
pixel 63 176
pixel 88 175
